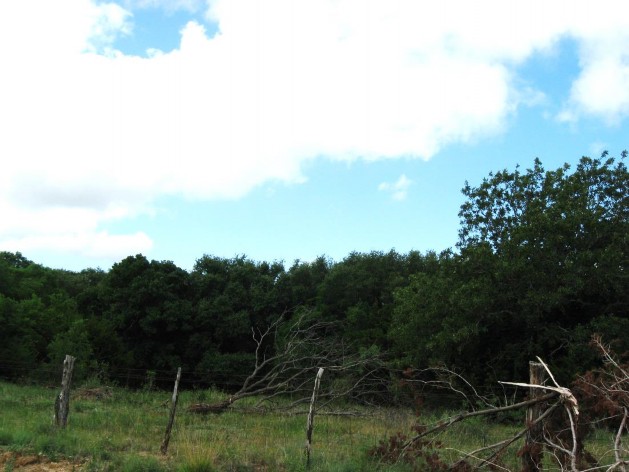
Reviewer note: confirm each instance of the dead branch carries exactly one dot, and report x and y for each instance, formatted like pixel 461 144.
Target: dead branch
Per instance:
pixel 462 416
pixel 571 407
pixel 605 394
pixel 446 381
pixel 500 446
pixel 565 399
pixel 608 390
pixel 617 441
pixel 287 354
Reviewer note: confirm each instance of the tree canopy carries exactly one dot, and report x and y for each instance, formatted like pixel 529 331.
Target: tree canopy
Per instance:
pixel 540 265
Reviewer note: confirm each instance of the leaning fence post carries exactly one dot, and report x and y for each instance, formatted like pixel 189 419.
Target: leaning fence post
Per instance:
pixel 311 412
pixel 171 419
pixel 533 449
pixel 62 402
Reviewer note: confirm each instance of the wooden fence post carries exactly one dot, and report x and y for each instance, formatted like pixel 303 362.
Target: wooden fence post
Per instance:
pixel 533 447
pixel 171 419
pixel 311 413
pixel 62 403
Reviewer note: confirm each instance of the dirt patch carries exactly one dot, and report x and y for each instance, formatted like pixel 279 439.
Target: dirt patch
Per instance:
pixel 35 463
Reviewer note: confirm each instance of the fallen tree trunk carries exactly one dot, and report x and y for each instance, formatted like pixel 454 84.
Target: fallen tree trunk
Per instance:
pixel 205 408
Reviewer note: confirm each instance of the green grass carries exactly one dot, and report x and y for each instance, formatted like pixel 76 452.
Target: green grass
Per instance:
pixel 124 433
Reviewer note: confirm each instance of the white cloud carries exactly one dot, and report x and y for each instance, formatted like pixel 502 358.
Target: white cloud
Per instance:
pixel 93 245
pixel 72 230
pixel 167 5
pixel 397 189
pixel 602 89
pixel 90 135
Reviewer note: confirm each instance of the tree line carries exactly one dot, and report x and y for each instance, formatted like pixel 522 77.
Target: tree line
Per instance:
pixel 540 265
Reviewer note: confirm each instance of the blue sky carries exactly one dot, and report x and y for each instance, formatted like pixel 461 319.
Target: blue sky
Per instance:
pixel 287 129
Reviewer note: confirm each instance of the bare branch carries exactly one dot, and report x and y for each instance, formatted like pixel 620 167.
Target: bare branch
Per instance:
pixel 502 445
pixel 460 417
pixel 448 384
pixel 287 351
pixel 617 441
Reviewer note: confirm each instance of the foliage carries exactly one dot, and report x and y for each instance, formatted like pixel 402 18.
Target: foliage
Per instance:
pixel 540 265
pixel 542 255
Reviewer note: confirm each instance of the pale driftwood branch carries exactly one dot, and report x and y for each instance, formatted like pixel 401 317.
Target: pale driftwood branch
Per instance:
pixel 567 394
pixel 619 465
pixel 617 441
pixel 572 408
pixel 573 429
pixel 616 466
pixel 564 392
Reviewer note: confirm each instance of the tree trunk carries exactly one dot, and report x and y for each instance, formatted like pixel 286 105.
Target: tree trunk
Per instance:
pixel 171 419
pixel 533 447
pixel 311 413
pixel 62 403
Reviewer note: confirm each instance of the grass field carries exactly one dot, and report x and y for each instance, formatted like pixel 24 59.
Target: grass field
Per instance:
pixel 123 430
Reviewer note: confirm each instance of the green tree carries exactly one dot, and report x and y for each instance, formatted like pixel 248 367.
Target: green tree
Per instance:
pixel 76 342
pixel 541 255
pixel 18 346
pixel 150 311
pixel 301 283
pixel 358 291
pixel 561 240
pixel 436 316
pixel 233 295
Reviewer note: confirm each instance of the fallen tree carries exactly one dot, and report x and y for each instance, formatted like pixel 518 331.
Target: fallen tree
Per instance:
pixel 559 425
pixel 288 354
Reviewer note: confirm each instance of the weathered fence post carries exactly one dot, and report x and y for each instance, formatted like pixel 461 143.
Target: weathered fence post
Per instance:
pixel 311 413
pixel 533 447
pixel 171 419
pixel 62 402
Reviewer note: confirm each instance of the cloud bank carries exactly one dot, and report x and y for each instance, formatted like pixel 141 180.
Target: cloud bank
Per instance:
pixel 91 135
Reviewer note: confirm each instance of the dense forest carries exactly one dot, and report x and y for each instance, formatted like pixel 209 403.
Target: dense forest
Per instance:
pixel 540 265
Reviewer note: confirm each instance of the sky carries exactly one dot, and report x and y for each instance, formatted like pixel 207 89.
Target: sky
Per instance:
pixel 285 130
